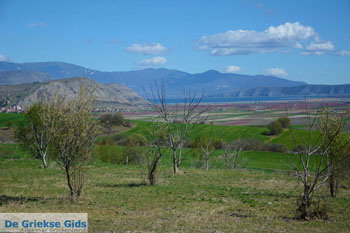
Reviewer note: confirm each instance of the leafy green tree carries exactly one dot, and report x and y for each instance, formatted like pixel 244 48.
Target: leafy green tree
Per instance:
pixel 110 120
pixel 35 133
pixel 74 135
pixel 284 121
pixel 275 128
pixel 329 125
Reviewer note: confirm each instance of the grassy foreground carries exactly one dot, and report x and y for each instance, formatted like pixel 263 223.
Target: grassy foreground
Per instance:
pixel 117 199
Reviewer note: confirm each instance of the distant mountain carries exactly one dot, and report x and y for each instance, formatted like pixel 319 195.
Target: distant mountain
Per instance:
pixel 303 90
pixel 26 94
pixel 211 82
pixel 22 76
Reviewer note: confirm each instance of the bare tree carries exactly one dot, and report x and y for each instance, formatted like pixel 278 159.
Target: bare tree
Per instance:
pixel 74 135
pixel 231 153
pixel 179 118
pixel 206 147
pixel 157 149
pixel 313 163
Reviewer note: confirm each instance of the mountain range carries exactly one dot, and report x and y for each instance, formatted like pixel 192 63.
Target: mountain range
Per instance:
pixel 303 90
pixel 211 82
pixel 22 76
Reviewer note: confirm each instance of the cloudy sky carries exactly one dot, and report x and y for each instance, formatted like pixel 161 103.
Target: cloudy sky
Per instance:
pixel 298 40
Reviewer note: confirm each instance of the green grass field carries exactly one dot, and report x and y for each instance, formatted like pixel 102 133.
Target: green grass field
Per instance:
pixel 219 200
pixel 14 117
pixel 258 196
pixel 228 133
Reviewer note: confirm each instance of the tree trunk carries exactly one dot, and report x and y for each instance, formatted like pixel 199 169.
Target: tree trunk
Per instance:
pixel 305 203
pixel 176 168
pixel 175 163
pixel 332 188
pixel 207 163
pixel 72 194
pixel 235 160
pixel 152 176
pixel 44 162
pixel 43 159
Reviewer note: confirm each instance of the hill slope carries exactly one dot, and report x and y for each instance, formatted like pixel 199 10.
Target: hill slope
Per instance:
pixel 27 94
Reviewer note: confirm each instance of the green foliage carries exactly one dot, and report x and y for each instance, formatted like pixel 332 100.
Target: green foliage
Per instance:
pixel 136 140
pixel 110 120
pixel 275 128
pixel 284 121
pixel 33 133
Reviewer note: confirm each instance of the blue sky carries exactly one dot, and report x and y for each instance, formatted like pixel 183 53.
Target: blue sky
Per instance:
pixel 298 40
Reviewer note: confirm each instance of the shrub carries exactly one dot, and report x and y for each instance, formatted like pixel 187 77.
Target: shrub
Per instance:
pixel 275 128
pixel 110 120
pixel 136 140
pixel 189 143
pixel 317 210
pixel 284 121
pixel 274 148
pixel 119 139
pixel 251 144
pixel 219 143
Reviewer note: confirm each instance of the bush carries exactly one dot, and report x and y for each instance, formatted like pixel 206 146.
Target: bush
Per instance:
pixel 136 140
pixel 284 121
pixel 110 120
pixel 219 143
pixel 275 128
pixel 317 210
pixel 274 148
pixel 189 143
pixel 251 144
pixel 257 145
pixel 119 139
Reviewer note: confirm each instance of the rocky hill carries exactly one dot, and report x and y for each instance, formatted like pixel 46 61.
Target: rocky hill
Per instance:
pixel 27 94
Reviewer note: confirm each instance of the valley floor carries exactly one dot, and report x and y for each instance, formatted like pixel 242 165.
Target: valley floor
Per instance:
pixel 117 198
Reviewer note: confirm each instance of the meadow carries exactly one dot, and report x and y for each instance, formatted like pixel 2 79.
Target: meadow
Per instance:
pixel 258 196
pixel 117 198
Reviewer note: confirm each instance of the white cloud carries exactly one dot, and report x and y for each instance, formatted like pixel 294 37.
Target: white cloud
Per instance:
pixel 38 24
pixel 154 61
pixel 319 48
pixel 147 49
pixel 288 35
pixel 233 69
pixel 4 58
pixel 279 72
pixel 343 53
